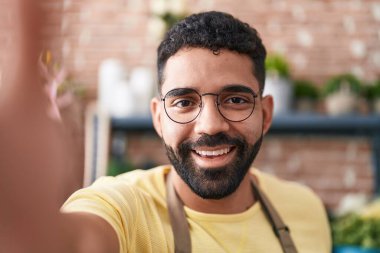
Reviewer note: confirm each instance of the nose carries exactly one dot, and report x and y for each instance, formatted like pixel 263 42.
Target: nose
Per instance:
pixel 210 121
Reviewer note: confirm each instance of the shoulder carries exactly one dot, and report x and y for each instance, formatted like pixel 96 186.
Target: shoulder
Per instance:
pixel 144 178
pixel 127 202
pixel 293 201
pixel 125 188
pixel 301 209
pixel 286 191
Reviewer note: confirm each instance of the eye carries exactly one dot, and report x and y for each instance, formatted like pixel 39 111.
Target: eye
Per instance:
pixel 236 100
pixel 182 100
pixel 183 103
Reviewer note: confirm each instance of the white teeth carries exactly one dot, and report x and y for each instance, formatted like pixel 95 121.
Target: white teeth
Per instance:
pixel 213 152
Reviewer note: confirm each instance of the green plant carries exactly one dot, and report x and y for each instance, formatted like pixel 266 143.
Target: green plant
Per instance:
pixel 169 12
pixel 336 83
pixel 305 89
pixel 372 92
pixel 354 230
pixel 118 166
pixel 170 19
pixel 276 64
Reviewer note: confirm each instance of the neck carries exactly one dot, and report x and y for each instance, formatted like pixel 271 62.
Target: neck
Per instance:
pixel 237 202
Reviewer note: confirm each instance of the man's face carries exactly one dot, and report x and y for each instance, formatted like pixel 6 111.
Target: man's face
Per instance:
pixel 211 154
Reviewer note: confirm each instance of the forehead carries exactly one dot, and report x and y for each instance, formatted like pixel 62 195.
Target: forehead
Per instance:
pixel 205 71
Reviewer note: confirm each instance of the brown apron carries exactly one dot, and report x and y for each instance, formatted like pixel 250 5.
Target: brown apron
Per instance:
pixel 181 234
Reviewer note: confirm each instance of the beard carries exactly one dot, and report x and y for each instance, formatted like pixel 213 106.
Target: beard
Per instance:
pixel 214 183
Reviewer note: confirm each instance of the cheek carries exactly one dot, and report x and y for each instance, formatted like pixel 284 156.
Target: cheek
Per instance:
pixel 251 130
pixel 174 134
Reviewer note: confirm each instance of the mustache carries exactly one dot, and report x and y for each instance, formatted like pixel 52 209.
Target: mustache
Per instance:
pixel 211 141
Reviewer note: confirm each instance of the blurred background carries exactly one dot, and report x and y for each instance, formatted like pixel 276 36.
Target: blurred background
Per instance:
pixel 323 69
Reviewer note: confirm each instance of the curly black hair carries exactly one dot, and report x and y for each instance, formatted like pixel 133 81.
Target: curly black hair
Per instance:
pixel 213 30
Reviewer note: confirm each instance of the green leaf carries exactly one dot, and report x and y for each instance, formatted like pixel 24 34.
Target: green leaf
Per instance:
pixel 276 64
pixel 335 83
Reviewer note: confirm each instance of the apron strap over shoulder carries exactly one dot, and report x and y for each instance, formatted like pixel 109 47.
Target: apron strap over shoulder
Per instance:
pixel 180 227
pixel 178 221
pixel 280 229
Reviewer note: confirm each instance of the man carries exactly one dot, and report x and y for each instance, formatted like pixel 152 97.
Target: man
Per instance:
pixel 211 116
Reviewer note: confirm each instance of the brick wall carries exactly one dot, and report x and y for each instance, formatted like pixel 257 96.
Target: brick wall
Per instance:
pixel 331 166
pixel 319 37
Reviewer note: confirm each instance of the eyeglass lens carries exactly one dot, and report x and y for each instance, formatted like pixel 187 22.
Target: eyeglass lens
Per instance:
pixel 235 103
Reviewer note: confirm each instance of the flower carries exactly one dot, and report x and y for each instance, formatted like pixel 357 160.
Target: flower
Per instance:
pixel 165 14
pixel 58 86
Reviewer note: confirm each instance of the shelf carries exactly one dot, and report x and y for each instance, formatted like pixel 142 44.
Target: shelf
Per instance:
pixel 323 124
pixel 132 124
pixel 298 124
pixel 287 124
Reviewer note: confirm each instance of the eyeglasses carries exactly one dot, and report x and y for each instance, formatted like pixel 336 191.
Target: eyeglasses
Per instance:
pixel 235 103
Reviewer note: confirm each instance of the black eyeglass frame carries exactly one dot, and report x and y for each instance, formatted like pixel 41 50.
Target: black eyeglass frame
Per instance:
pixel 217 103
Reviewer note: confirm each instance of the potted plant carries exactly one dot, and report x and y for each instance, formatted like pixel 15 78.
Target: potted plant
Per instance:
pixel 165 13
pixel 358 232
pixel 306 94
pixel 372 94
pixel 278 83
pixel 342 93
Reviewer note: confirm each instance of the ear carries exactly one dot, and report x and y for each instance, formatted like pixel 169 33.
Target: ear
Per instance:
pixel 267 107
pixel 155 109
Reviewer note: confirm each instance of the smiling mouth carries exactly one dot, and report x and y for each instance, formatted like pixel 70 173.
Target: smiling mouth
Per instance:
pixel 213 153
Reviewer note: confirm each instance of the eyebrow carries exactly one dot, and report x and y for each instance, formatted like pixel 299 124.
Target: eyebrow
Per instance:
pixel 179 92
pixel 228 88
pixel 238 88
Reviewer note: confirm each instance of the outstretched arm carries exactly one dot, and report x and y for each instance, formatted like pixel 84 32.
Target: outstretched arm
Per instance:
pixel 32 155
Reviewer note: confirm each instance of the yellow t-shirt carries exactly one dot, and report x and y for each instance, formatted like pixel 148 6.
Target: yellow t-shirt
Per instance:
pixel 135 206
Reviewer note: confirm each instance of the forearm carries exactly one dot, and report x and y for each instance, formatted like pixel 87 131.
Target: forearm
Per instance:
pixel 31 183
pixel 32 150
pixel 33 155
